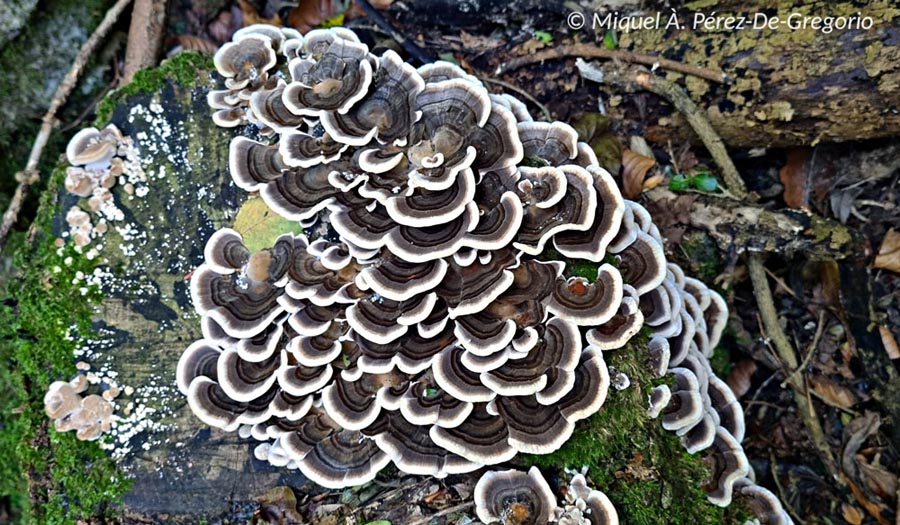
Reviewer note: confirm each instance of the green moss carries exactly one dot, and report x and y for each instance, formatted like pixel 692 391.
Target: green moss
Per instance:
pixel 69 479
pixel 701 256
pixel 181 69
pixel 642 468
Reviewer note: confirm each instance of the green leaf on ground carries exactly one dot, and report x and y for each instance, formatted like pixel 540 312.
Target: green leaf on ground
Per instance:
pixel 260 226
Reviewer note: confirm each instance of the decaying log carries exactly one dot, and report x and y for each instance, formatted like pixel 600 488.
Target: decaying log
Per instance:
pixel 739 227
pixel 790 86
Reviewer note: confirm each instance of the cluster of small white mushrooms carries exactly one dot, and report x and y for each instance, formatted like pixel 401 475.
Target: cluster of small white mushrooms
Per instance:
pixel 98 158
pixel 431 321
pixel 88 415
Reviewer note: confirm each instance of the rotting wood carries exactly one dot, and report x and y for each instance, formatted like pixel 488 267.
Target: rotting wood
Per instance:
pixel 739 227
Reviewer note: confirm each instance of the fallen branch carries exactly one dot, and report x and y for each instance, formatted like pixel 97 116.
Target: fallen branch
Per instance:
pixel 632 78
pixel 145 36
pixel 448 510
pixel 30 174
pixel 740 227
pixel 788 357
pixel 591 51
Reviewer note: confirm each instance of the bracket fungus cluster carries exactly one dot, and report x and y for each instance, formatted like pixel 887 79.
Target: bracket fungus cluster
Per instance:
pixel 88 415
pixel 422 324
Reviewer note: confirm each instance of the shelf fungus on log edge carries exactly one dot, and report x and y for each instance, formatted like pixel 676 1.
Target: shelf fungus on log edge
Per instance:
pixel 418 325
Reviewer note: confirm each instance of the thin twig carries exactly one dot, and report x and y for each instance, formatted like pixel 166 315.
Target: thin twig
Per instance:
pixel 591 51
pixel 414 51
pixel 30 174
pixel 782 495
pixel 788 357
pixel 810 350
pixel 544 111
pixel 637 77
pixel 448 510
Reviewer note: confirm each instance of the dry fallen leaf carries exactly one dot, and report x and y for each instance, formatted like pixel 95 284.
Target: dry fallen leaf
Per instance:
pixel 634 168
pixel 795 178
pixel 889 342
pixel 193 43
pixel 832 393
pixel 252 16
pixel 310 13
pixel 739 379
pixel 851 514
pixel 889 254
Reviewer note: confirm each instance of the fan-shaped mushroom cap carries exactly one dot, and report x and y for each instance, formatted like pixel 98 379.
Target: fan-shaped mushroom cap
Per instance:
pixel 336 80
pixel 198 360
pixel 626 322
pixel 658 351
pixel 587 303
pixel 716 316
pixel 61 400
pixel 425 405
pixel 300 149
pixel 600 509
pixel 728 463
pixel 726 406
pixel 441 70
pixel 514 497
pixel 268 107
pixel 643 263
pixel 244 380
pixel 91 147
pixel 574 211
pixel 700 435
pixel 554 142
pixel 353 404
pixel 424 208
pixel 659 398
pixel 481 438
pixel 386 112
pixel 558 348
pixel 245 61
pixel 440 142
pixel 410 448
pixel 591 386
pixel 460 382
pixel 344 458
pixel 518 108
pixel 686 405
pixel 271 32
pixel 762 503
pixel 592 243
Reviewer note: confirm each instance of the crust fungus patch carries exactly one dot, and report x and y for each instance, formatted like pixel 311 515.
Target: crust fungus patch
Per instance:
pixel 414 325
